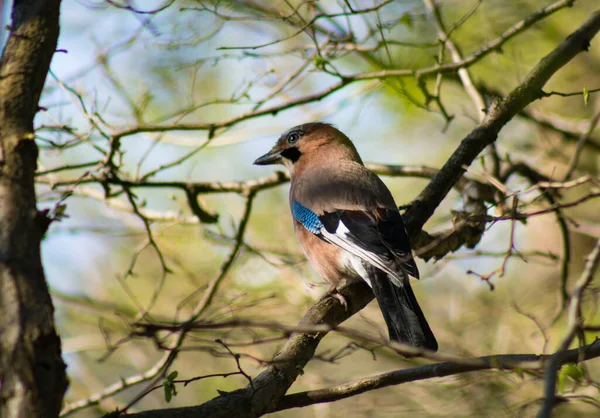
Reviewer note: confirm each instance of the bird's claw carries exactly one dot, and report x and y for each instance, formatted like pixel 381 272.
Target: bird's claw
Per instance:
pixel 333 292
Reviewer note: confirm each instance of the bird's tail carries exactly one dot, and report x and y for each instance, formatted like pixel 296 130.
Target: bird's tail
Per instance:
pixel 403 316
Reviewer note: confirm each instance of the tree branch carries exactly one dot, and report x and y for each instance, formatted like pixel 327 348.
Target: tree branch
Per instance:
pixel 272 384
pixel 575 326
pixel 264 395
pixel 397 377
pixel 32 372
pixel 345 80
pixel 487 132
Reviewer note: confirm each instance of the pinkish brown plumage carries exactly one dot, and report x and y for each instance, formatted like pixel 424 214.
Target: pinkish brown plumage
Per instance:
pixel 348 224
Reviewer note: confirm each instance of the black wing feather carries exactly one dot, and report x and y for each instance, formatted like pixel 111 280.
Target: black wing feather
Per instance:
pixel 394 236
pixel 381 232
pixel 383 239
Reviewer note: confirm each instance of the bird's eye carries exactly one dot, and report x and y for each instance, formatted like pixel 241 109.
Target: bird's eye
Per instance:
pixel 293 137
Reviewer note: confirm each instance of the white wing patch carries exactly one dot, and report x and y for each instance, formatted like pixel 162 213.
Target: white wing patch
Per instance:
pixel 343 239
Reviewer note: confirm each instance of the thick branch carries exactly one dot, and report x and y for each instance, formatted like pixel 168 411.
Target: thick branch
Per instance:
pixel 499 362
pixel 194 189
pixel 487 132
pixel 32 373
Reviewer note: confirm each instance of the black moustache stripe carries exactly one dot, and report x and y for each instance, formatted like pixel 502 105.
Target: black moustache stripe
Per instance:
pixel 292 154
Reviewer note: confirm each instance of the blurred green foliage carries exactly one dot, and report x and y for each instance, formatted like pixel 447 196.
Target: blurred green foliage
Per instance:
pixel 170 67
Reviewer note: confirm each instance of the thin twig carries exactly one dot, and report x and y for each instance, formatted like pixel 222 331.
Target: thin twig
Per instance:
pixel 574 326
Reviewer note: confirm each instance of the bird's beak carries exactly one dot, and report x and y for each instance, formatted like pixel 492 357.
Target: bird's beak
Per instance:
pixel 271 157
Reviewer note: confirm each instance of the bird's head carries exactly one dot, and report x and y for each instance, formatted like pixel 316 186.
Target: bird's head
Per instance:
pixel 311 143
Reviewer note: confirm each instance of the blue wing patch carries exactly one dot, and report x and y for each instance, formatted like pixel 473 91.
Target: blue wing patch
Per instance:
pixel 307 217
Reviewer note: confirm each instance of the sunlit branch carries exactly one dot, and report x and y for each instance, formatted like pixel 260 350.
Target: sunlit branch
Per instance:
pixel 311 22
pixel 574 326
pixel 497 362
pixel 347 79
pixel 487 132
pixel 463 73
pixel 127 6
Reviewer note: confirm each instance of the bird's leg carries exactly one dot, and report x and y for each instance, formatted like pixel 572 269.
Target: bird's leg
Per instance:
pixel 333 292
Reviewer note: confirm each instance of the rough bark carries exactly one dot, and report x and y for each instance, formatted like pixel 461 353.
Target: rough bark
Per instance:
pixel 32 372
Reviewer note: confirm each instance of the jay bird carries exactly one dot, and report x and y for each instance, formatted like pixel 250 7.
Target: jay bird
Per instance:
pixel 349 226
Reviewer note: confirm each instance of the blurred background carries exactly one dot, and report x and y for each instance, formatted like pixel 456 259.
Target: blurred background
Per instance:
pixel 128 253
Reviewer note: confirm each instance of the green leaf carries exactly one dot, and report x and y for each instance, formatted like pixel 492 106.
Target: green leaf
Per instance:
pixel 406 20
pixel 574 371
pixel 169 386
pixel 168 391
pixel 571 371
pixel 319 63
pixel 59 211
pixel 586 95
pixel 519 371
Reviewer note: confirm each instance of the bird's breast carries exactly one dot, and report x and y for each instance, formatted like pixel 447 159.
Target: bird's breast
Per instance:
pixel 331 263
